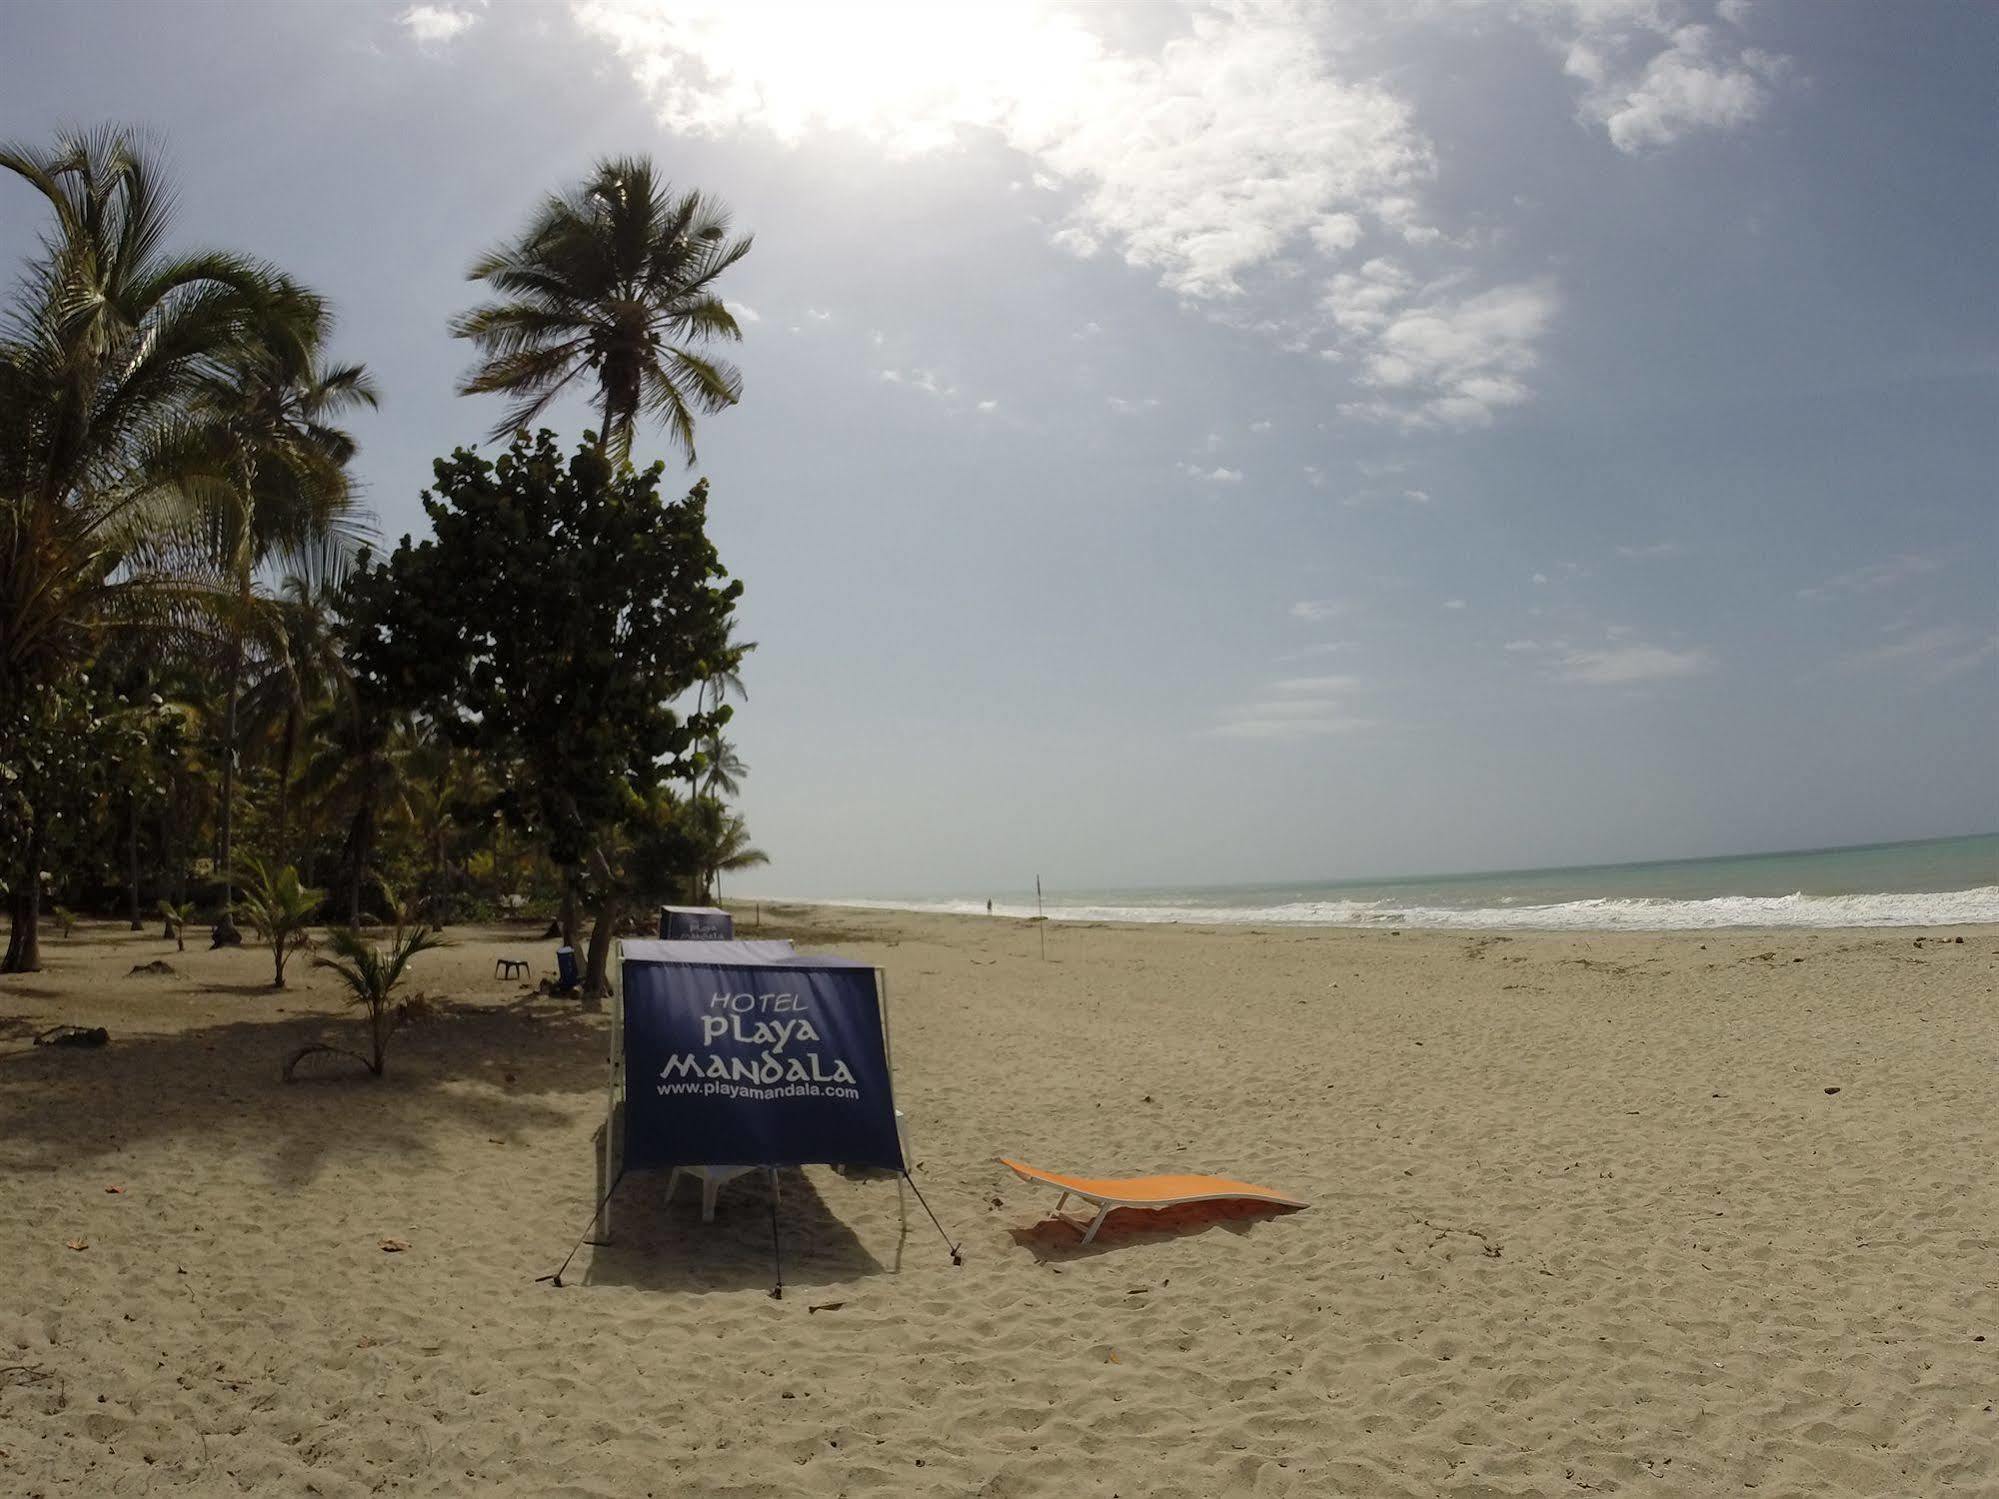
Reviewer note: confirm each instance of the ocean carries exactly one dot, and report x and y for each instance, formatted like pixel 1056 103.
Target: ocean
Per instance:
pixel 1935 882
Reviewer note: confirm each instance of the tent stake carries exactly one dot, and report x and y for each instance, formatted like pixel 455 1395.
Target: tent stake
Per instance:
pixel 956 1257
pixel 586 1239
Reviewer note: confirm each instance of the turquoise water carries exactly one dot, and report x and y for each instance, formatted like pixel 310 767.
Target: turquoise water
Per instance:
pixel 1934 882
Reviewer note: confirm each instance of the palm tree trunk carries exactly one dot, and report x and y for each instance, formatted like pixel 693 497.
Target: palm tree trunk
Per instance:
pixel 24 939
pixel 225 930
pixel 360 837
pixel 287 750
pixel 132 861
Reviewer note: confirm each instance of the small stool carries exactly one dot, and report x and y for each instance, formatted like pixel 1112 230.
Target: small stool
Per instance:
pixel 508 968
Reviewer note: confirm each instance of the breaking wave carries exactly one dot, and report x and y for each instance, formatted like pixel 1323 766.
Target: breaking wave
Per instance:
pixel 1641 914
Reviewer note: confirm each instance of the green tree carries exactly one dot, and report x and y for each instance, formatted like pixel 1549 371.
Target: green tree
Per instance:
pixel 269 471
pixel 103 350
pixel 611 284
pixel 557 613
pixel 302 671
pixel 721 843
pixel 359 766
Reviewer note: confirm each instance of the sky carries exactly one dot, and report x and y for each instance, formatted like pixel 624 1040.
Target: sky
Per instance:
pixel 1199 443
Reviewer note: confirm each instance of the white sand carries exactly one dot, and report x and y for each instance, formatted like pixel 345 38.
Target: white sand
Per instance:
pixel 1584 1221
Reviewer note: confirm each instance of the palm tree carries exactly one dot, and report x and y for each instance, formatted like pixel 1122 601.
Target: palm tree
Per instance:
pixel 269 469
pixel 362 765
pixel 448 788
pixel 732 852
pixel 281 909
pixel 726 680
pixel 720 842
pixel 303 668
pixel 725 768
pixel 99 359
pixel 611 283
pixel 372 975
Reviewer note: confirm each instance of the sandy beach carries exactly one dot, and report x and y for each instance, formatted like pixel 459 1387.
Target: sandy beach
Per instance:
pixel 1695 1213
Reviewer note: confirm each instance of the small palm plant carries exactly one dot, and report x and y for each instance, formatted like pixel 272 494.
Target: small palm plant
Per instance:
pixel 372 974
pixel 65 919
pixel 177 917
pixel 281 909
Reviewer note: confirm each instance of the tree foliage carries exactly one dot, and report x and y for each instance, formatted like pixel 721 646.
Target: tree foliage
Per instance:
pixel 552 621
pixel 611 284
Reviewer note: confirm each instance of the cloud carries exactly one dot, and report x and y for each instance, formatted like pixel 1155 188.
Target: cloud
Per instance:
pixel 1937 653
pixel 1656 551
pixel 1124 407
pixel 1314 610
pixel 1314 686
pixel 1630 664
pixel 928 381
pixel 1454 603
pixel 1434 359
pixel 988 407
pixel 433 25
pixel 1695 84
pixel 1297 708
pixel 1652 71
pixel 1416 496
pixel 1199 158
pixel 817 315
pixel 1259 426
pixel 1248 726
pixel 1875 577
pixel 1540 577
pixel 1323 648
pixel 1212 476
pixel 742 312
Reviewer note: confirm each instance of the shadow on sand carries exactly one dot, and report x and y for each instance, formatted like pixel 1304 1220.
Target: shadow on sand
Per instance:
pixel 1059 1240
pixel 222 1082
pixel 657 1245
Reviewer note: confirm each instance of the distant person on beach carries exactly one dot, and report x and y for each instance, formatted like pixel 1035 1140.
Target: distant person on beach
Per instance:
pixel 989 908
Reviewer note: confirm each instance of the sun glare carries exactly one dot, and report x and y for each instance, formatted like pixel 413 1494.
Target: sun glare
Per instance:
pixel 909 75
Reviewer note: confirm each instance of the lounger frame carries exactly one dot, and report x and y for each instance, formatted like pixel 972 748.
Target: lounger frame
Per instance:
pixel 1105 1200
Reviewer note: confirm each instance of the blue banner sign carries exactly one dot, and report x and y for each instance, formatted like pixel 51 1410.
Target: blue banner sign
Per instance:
pixel 697 923
pixel 756 1065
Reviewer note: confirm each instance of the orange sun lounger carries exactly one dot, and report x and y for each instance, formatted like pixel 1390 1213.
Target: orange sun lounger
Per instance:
pixel 1143 1191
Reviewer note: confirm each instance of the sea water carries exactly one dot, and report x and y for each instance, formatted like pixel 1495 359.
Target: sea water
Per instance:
pixel 1936 882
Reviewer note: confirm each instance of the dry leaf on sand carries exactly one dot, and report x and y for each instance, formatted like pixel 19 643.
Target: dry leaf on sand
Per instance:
pixel 394 1246
pixel 78 1244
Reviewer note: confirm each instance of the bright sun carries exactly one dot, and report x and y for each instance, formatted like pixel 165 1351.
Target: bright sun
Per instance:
pixel 907 74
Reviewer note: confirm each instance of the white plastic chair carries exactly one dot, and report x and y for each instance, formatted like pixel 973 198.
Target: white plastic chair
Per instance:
pixel 714 1178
